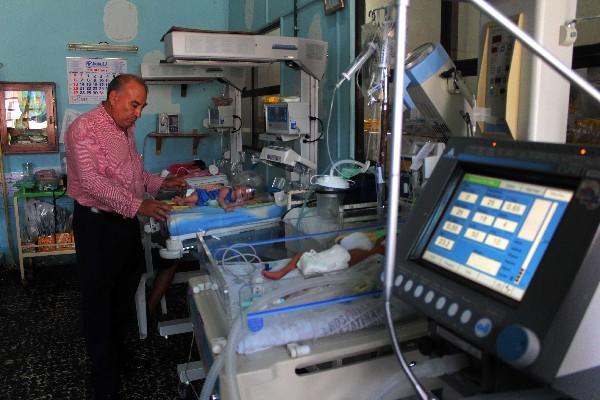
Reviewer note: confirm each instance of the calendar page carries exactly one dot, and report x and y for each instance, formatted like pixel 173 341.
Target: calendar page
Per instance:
pixel 88 78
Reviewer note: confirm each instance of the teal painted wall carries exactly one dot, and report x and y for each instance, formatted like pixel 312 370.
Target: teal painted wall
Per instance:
pixel 338 30
pixel 35 35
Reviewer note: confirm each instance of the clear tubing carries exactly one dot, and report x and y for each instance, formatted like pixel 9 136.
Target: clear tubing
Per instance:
pixel 429 368
pixel 235 334
pixel 211 378
pixel 328 123
pixel 364 166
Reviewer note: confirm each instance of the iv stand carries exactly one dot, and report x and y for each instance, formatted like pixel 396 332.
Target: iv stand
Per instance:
pixel 384 68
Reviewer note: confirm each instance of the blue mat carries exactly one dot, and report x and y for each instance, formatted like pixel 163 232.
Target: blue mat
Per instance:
pixel 197 219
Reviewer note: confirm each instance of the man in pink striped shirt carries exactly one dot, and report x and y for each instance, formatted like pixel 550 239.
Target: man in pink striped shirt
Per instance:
pixel 107 182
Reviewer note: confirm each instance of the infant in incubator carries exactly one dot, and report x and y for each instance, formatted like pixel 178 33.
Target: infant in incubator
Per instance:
pixel 227 197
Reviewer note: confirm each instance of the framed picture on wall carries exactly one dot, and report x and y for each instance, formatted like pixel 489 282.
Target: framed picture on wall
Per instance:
pixel 27 117
pixel 332 6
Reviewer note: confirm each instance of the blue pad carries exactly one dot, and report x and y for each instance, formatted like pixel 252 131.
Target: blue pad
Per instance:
pixel 197 219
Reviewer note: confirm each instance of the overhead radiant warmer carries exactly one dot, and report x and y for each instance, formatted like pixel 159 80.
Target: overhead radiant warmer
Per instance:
pixel 228 50
pixel 209 47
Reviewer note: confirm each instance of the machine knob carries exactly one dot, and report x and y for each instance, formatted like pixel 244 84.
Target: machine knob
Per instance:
pixel 517 346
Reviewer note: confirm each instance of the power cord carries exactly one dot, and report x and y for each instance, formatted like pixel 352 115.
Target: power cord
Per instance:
pixel 187 365
pixel 320 134
pixel 241 122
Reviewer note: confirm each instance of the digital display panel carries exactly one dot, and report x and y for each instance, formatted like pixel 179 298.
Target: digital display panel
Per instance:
pixel 277 114
pixel 495 231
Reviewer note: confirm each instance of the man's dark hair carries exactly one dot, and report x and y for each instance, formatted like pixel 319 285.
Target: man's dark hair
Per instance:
pixel 120 80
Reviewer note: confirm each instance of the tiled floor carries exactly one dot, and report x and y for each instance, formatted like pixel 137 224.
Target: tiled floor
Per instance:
pixel 42 353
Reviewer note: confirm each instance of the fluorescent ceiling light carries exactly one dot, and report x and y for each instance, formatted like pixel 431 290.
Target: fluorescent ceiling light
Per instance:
pixel 103 46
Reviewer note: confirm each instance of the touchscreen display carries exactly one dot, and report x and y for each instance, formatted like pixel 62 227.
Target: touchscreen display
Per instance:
pixel 495 232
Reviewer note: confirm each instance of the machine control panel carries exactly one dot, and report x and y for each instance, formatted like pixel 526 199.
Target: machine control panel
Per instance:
pixel 503 251
pixel 287 118
pixel 221 117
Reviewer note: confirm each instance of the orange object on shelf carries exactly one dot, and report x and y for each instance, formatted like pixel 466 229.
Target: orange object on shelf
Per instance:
pixel 64 240
pixel 46 243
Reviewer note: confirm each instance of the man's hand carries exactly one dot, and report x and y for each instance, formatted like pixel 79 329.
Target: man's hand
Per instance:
pixel 154 208
pixel 174 183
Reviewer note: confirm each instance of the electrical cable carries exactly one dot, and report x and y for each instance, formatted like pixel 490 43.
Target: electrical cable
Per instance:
pixel 310 202
pixel 580 19
pixel 241 123
pixel 321 133
pixel 187 365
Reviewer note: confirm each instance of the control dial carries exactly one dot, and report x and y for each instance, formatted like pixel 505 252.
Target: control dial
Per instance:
pixel 517 346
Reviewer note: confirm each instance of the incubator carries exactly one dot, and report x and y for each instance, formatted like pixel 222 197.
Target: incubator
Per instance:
pixel 295 336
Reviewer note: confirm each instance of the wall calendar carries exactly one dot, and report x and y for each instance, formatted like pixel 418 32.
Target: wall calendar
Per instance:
pixel 88 78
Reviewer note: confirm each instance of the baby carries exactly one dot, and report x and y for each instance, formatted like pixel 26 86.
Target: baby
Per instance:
pixel 227 197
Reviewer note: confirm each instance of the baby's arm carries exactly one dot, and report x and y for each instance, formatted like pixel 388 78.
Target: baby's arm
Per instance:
pixel 191 200
pixel 221 199
pixel 228 206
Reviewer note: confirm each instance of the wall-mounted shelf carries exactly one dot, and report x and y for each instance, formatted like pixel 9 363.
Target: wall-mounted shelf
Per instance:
pixel 178 135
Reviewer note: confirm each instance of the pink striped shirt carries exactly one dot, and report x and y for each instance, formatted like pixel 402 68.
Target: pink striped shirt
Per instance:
pixel 104 168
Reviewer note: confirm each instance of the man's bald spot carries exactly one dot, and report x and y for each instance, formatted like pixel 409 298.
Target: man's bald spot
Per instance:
pixel 121 80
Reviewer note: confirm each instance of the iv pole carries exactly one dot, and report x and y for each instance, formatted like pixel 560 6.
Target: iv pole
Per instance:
pixel 394 196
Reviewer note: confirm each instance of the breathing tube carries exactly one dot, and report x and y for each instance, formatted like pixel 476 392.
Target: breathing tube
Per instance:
pixel 228 359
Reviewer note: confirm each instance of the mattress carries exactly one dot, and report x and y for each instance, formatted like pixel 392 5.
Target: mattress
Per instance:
pixel 206 218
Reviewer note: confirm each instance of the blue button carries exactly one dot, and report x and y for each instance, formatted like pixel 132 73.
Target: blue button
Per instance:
pixel 512 343
pixel 483 327
pixel 518 346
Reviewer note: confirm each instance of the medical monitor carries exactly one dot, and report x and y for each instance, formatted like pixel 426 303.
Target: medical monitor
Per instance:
pixel 501 253
pixel 287 118
pixel 495 231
